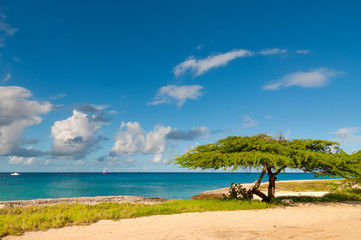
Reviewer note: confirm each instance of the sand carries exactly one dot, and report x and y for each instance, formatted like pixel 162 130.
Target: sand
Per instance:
pixel 299 221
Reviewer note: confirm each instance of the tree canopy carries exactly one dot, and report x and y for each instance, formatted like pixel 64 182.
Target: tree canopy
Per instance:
pixel 271 154
pixel 352 170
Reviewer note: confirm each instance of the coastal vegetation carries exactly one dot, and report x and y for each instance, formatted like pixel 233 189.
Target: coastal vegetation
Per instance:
pixel 15 221
pixel 273 155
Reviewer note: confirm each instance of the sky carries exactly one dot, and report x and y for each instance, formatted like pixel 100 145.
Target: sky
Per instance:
pixel 130 85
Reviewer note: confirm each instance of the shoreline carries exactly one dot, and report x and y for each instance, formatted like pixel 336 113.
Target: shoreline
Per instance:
pixel 82 200
pixel 146 200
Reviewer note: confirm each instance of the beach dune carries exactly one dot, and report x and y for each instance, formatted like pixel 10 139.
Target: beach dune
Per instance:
pixel 300 221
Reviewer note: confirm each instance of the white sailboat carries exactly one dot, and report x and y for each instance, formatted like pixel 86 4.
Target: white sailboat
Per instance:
pixel 15 174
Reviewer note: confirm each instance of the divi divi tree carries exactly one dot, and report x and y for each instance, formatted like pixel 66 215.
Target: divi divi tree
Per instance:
pixel 271 155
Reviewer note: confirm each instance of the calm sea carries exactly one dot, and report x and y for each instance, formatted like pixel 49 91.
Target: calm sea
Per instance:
pixel 28 186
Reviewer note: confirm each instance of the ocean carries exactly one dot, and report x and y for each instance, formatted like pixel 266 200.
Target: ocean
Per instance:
pixel 29 186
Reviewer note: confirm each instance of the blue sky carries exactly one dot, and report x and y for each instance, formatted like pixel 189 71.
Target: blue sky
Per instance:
pixel 129 85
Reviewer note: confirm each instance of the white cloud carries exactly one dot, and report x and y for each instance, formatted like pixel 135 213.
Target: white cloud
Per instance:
pixel 200 66
pixel 7 77
pixel 348 136
pixel 192 134
pixel 303 51
pixel 249 121
pixel 312 79
pixel 133 140
pixel 272 51
pixel 15 160
pixel 90 108
pixel 178 94
pixel 200 46
pixel 57 96
pixel 6 31
pixel 75 136
pixel 17 113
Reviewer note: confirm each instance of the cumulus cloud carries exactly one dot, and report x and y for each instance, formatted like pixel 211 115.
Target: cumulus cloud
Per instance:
pixel 200 66
pixel 248 121
pixel 6 30
pixel 133 140
pixel 192 134
pixel 76 136
pixel 178 94
pixel 15 160
pixel 272 51
pixel 303 51
pixel 6 78
pixel 17 113
pixel 348 136
pixel 312 79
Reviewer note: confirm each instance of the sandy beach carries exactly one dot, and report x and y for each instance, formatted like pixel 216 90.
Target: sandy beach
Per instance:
pixel 299 221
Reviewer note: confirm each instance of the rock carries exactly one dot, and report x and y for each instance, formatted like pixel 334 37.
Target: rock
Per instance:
pixel 288 201
pixel 82 200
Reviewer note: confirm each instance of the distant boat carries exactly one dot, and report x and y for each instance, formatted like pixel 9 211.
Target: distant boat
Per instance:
pixel 15 174
pixel 106 172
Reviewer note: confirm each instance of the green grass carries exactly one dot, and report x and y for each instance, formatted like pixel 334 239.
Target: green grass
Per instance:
pixel 306 186
pixel 15 221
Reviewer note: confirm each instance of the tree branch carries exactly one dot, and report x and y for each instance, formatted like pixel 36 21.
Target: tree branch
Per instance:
pixel 279 170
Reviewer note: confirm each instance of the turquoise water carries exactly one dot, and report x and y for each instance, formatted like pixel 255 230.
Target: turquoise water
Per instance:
pixel 28 186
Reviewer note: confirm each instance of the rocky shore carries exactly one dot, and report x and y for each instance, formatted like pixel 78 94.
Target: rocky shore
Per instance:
pixel 83 200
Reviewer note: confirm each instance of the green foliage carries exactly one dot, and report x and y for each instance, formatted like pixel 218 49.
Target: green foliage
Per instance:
pixel 352 170
pixel 15 221
pixel 237 191
pixel 318 156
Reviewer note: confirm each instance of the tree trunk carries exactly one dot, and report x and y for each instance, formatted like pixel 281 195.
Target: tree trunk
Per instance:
pixel 272 181
pixel 271 186
pixel 258 182
pixel 261 195
pixel 255 190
